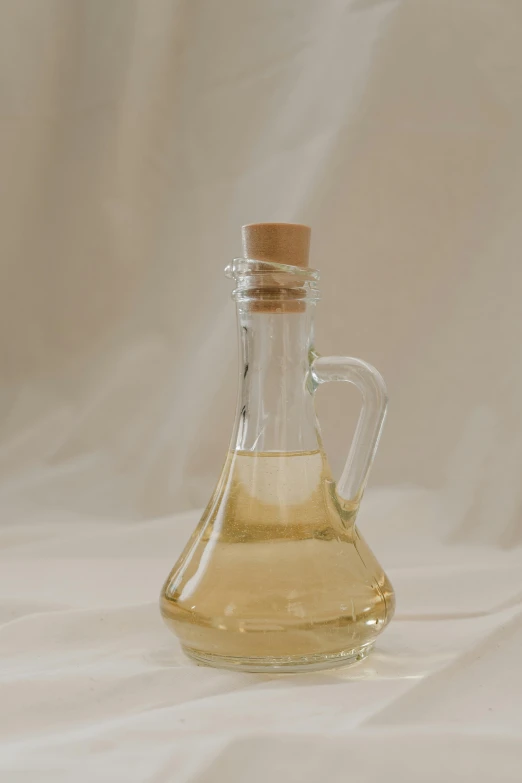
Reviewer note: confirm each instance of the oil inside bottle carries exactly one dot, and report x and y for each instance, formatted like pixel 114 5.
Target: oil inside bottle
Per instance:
pixel 276 574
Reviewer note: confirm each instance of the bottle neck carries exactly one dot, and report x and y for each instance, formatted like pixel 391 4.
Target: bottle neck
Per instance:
pixel 275 402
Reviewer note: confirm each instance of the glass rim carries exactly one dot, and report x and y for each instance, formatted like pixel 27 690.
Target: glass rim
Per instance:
pixel 245 267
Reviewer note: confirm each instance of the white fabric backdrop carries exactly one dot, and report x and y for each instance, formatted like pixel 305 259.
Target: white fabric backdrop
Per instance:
pixel 136 136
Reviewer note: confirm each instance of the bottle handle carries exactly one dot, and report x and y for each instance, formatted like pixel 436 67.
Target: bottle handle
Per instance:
pixel 371 418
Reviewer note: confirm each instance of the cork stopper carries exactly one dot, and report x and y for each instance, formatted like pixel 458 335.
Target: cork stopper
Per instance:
pixel 280 243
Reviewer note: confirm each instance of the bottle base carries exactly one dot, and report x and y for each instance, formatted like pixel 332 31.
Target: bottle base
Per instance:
pixel 283 665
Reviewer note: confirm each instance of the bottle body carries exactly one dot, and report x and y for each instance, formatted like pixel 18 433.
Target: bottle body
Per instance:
pixel 276 575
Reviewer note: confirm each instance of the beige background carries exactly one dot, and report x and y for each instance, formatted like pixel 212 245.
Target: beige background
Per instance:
pixel 136 136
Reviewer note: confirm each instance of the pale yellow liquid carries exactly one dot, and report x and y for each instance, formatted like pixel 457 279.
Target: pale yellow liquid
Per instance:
pixel 276 575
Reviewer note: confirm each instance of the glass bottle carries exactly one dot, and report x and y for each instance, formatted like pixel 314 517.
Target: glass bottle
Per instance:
pixel 276 576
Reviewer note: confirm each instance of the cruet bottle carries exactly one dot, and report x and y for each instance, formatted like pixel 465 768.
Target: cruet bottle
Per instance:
pixel 276 576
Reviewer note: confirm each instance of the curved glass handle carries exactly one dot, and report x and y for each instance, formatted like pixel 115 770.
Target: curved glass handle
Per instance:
pixel 369 425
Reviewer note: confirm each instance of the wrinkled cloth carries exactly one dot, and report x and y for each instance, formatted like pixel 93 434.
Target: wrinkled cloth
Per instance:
pixel 95 687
